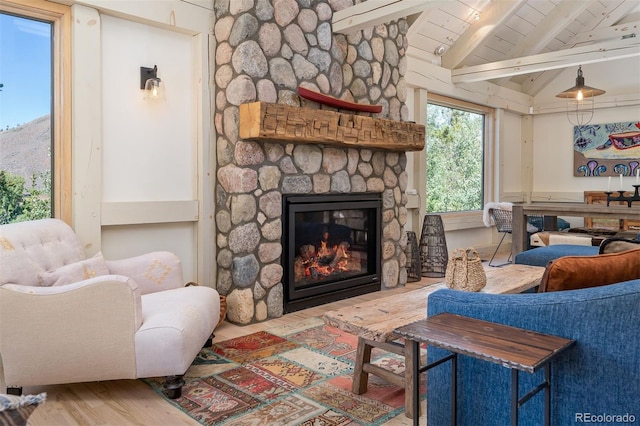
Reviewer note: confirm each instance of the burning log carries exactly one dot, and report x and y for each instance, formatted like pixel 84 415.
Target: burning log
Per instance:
pixel 340 254
pixel 308 251
pixel 324 260
pixel 299 269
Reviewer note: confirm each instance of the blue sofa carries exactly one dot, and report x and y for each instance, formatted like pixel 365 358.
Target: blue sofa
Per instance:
pixel 599 375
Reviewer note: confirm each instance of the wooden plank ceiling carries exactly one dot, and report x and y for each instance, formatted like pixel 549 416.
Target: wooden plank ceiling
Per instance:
pixel 520 44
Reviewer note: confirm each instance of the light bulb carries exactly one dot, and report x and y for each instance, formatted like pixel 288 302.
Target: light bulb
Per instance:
pixel 154 90
pixel 579 96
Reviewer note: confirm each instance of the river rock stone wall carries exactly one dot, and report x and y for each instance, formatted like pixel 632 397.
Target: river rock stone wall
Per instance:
pixel 265 49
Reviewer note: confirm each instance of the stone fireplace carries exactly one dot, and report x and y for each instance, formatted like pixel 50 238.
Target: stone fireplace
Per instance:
pixel 265 49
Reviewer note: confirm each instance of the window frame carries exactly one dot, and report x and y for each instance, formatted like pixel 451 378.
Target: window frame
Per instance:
pixel 59 16
pixel 470 218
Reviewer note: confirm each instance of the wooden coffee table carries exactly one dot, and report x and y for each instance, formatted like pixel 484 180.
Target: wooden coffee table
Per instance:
pixel 374 322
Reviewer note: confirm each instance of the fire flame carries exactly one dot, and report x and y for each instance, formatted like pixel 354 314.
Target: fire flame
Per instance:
pixel 337 258
pixel 318 263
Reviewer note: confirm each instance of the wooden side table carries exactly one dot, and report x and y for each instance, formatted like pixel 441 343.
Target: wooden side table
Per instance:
pixel 511 347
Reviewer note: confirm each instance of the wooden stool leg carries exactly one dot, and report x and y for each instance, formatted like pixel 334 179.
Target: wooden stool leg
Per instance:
pixel 361 378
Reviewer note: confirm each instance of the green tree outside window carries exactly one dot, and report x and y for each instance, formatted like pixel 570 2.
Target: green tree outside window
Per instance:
pixel 455 166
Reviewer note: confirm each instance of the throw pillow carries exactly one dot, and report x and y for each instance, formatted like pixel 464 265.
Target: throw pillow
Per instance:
pixel 155 271
pixel 616 245
pixel 576 272
pixel 15 410
pixel 74 272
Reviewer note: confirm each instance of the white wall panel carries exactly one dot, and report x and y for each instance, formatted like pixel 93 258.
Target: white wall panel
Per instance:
pixel 511 150
pixel 149 147
pixel 175 237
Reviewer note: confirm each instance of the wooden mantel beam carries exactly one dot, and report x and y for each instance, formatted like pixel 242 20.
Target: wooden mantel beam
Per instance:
pixel 374 12
pixel 285 123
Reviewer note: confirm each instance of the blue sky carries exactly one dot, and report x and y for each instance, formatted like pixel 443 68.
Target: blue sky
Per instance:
pixel 25 70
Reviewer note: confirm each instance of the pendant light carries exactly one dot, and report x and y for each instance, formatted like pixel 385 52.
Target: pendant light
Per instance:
pixel 580 101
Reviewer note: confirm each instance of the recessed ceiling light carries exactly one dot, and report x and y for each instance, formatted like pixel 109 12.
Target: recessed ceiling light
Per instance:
pixel 440 50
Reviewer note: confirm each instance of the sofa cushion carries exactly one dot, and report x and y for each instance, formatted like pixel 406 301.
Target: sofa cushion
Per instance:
pixel 540 256
pixel 616 245
pixel 74 272
pixel 576 272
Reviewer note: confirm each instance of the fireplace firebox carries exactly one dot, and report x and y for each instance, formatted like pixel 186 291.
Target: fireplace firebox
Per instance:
pixel 331 247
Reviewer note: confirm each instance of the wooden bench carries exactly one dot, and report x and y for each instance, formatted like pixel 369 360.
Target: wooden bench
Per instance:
pixel 374 321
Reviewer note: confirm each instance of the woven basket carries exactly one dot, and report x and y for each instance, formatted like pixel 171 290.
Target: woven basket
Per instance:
pixel 465 271
pixel 223 309
pixel 223 304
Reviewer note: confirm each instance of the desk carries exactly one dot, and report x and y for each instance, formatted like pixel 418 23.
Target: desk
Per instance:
pixel 552 210
pixel 511 347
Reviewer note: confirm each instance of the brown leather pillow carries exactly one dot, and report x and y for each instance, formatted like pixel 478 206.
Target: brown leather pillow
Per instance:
pixel 576 272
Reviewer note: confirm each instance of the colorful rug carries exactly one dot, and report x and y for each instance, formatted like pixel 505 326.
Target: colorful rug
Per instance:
pixel 299 374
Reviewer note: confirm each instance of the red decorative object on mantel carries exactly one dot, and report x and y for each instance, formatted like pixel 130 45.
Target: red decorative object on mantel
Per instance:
pixel 331 101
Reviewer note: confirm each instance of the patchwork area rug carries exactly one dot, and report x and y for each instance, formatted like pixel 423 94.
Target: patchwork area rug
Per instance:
pixel 299 374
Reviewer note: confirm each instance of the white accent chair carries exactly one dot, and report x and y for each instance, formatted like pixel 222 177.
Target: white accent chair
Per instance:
pixel 68 319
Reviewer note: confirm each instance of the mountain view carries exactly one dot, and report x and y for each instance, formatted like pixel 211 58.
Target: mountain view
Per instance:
pixel 25 150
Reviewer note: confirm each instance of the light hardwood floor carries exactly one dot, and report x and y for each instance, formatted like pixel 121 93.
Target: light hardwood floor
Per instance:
pixel 132 402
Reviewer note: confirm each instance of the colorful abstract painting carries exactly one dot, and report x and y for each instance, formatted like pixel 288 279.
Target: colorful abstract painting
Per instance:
pixel 606 149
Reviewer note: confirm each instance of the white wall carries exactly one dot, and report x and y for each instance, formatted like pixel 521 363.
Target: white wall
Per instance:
pixel 149 148
pixel 139 168
pixel 553 134
pixel 553 154
pixel 510 152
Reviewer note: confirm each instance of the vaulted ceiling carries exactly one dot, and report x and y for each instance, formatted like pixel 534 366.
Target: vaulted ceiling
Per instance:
pixel 520 44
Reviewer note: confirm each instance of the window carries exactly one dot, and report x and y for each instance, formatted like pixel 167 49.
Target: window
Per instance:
pixel 456 140
pixel 35 161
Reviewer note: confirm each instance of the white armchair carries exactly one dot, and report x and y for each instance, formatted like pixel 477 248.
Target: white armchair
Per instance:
pixel 67 319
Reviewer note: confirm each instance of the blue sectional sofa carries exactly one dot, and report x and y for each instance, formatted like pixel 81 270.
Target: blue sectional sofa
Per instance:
pixel 599 375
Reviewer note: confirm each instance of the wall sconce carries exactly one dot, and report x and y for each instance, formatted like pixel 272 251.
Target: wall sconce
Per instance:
pixel 151 84
pixel 580 101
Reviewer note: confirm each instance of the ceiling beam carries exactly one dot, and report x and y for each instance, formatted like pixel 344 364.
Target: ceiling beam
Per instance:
pixel 608 51
pixel 546 30
pixel 534 85
pixel 490 19
pixel 374 12
pixel 423 74
pixel 600 34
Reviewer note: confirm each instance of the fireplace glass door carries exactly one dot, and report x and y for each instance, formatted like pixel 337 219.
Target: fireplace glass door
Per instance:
pixel 332 247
